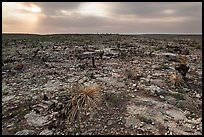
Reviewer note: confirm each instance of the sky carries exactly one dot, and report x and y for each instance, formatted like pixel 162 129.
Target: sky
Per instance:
pixel 102 17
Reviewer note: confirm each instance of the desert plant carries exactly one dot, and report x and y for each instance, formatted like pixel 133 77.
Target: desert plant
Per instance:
pixel 182 67
pixel 82 98
pixel 176 79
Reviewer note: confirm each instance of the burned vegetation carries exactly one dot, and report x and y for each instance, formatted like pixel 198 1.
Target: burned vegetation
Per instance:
pixel 90 84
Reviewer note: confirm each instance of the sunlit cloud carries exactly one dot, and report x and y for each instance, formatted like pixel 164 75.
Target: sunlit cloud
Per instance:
pixel 169 11
pixel 33 8
pixel 93 9
pixel 18 17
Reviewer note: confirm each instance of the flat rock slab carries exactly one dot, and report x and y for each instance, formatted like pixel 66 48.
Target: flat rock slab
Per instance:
pixel 26 132
pixel 46 132
pixel 7 98
pixel 165 54
pixel 111 81
pixel 36 120
pixel 53 85
pixel 132 122
pixel 159 82
pixel 156 90
pixel 5 88
pixel 177 115
pixel 156 111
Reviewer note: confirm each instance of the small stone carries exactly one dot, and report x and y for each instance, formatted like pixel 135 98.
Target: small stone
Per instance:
pixel 198 96
pixel 134 85
pixel 186 112
pixel 186 89
pixel 55 101
pixel 46 132
pixel 141 124
pixel 8 126
pixel 133 96
pixel 110 122
pixel 7 98
pixel 55 113
pixel 162 97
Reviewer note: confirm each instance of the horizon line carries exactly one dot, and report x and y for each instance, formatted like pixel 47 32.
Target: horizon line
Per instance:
pixel 113 33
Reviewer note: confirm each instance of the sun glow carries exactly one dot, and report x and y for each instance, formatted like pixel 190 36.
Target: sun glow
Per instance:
pixel 168 11
pixel 18 16
pixel 93 9
pixel 33 9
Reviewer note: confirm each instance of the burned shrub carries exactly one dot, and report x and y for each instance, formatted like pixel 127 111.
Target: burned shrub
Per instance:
pixel 18 66
pixel 182 67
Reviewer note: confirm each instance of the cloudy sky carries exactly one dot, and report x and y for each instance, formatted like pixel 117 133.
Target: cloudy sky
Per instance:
pixel 101 17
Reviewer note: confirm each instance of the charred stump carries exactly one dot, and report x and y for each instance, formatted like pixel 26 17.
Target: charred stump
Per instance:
pixel 18 53
pixel 93 62
pixel 182 69
pixel 101 54
pixel 35 53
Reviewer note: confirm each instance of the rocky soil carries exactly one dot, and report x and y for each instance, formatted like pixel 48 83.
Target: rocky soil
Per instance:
pixel 38 72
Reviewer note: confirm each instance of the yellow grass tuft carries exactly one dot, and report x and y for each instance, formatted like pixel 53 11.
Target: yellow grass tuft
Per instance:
pixel 176 79
pixel 83 98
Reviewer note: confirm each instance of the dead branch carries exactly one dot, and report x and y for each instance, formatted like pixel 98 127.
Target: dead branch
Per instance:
pixel 19 53
pixel 35 53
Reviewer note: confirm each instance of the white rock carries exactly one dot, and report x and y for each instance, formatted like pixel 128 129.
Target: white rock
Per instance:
pixel 162 97
pixel 177 115
pixel 198 96
pixel 36 120
pixel 133 96
pixel 25 132
pixel 109 122
pixel 46 132
pixel 7 98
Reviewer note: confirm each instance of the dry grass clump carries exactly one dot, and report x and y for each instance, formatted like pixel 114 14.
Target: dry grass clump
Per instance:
pixel 82 98
pixel 176 79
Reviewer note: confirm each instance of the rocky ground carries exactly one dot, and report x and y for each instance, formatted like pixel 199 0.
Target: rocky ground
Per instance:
pixel 38 71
